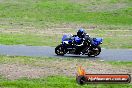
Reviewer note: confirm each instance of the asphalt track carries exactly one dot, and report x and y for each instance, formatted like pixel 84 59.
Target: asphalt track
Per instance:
pixel 45 51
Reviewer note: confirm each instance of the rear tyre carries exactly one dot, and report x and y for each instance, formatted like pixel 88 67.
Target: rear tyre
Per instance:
pixel 59 50
pixel 95 51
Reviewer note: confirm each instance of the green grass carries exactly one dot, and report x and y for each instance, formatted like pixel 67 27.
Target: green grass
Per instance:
pixel 121 63
pixel 27 39
pixel 38 61
pixel 43 14
pixel 42 61
pixel 32 61
pixel 111 39
pixel 54 82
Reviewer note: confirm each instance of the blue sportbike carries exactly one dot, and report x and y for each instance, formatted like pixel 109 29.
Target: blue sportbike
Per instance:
pixel 78 46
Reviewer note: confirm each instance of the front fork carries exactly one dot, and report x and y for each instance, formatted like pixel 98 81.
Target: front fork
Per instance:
pixel 86 49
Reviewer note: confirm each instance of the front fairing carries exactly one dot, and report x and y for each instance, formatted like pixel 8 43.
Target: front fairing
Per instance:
pixel 97 41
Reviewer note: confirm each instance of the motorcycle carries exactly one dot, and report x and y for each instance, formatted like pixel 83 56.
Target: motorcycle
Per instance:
pixel 75 45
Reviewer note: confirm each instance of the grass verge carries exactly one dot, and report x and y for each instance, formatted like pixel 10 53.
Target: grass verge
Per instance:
pixel 111 38
pixel 44 13
pixel 121 63
pixel 54 82
pixel 37 61
pixel 51 14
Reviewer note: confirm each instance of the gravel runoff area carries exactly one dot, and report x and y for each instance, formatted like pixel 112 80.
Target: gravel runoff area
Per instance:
pixel 44 68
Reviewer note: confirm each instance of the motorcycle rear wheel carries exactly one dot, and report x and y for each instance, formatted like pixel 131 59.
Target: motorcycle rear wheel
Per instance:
pixel 59 50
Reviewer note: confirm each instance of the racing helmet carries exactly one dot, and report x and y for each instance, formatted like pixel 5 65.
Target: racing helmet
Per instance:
pixel 81 33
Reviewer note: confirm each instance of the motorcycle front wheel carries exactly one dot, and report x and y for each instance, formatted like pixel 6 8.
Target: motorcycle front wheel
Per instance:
pixel 95 51
pixel 59 50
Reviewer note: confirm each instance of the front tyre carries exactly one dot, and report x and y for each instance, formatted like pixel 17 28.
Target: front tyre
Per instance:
pixel 59 50
pixel 95 51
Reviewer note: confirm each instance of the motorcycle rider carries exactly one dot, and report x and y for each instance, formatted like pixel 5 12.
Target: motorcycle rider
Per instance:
pixel 81 33
pixel 83 36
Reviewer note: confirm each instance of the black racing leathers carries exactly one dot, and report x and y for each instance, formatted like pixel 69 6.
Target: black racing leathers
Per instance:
pixel 86 40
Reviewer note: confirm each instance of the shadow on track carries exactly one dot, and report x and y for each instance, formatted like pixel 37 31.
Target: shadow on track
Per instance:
pixel 78 57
